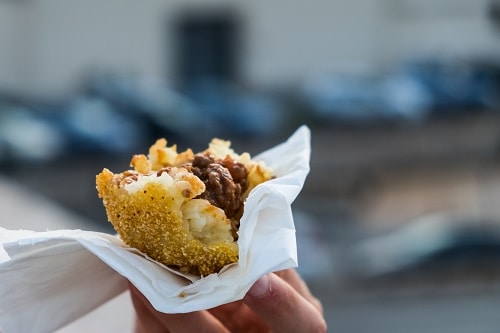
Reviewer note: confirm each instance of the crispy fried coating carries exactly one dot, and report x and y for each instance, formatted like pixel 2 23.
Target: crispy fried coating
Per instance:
pixel 157 208
pixel 155 219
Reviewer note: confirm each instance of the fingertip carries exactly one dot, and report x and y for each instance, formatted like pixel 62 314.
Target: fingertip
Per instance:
pixel 261 287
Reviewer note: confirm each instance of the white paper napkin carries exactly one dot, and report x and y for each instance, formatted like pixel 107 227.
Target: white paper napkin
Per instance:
pixel 48 279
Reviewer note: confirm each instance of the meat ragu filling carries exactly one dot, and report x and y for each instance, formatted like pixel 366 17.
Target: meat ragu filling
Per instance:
pixel 225 183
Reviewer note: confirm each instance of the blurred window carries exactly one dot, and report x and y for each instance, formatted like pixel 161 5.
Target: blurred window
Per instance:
pixel 494 13
pixel 206 47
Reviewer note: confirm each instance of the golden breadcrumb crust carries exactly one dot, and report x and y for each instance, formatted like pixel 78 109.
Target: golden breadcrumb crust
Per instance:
pixel 150 220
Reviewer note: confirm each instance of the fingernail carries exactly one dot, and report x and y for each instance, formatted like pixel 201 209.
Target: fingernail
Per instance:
pixel 261 287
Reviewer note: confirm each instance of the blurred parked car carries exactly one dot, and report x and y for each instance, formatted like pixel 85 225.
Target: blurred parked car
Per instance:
pixel 40 132
pixel 365 98
pixel 205 107
pixel 409 92
pixel 457 86
pixel 234 110
pixel 152 102
pixel 94 125
pixel 27 137
pixel 431 241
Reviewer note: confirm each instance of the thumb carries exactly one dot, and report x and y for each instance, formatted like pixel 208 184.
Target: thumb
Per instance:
pixel 282 307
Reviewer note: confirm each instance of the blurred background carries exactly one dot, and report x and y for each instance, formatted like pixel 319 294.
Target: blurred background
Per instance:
pixel 399 221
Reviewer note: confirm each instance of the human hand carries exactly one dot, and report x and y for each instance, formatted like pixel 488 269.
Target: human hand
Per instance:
pixel 278 302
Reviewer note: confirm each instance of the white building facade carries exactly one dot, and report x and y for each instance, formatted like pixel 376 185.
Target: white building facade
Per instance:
pixel 47 47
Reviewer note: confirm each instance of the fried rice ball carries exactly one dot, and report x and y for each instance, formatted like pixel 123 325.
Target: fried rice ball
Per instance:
pixel 182 209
